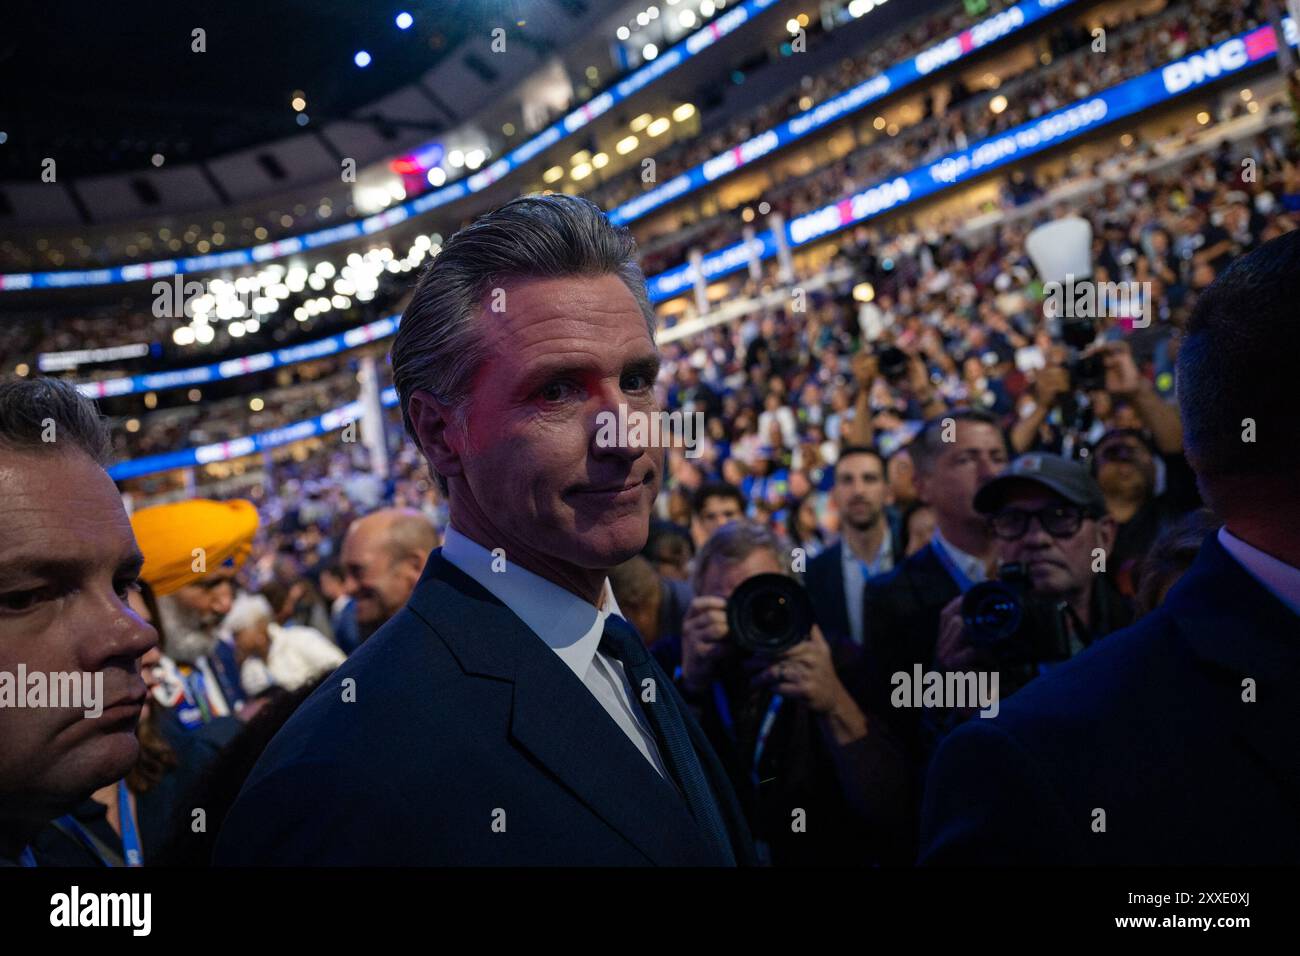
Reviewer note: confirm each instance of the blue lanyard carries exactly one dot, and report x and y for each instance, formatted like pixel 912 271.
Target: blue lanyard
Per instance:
pixel 764 728
pixel 126 820
pixel 963 582
pixel 73 825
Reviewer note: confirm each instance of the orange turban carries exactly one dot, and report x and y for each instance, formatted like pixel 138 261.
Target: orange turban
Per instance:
pixel 169 535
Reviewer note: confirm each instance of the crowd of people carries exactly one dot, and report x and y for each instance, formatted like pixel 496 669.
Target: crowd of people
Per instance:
pixel 916 483
pixel 945 435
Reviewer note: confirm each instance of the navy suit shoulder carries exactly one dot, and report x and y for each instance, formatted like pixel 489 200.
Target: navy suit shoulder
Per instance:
pixel 824 580
pixel 455 736
pixel 1144 748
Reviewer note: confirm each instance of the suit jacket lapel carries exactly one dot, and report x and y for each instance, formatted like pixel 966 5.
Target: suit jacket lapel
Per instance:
pixel 556 719
pixel 1234 625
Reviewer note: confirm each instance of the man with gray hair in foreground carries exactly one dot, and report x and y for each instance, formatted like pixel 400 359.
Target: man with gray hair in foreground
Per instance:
pixel 509 714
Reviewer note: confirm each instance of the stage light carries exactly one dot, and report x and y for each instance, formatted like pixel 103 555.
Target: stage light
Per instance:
pixel 649 51
pixel 362 59
pixel 623 33
pixel 686 18
pixel 474 158
pixel 298 103
pixel 683 112
pixel 456 158
pixel 436 176
pixel 626 145
pixel 256 404
pixel 658 127
pixel 553 175
pixel 998 104
pixel 404 20
pixel 640 122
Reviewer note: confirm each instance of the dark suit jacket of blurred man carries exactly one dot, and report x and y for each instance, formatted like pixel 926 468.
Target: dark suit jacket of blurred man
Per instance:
pixel 466 745
pixel 1148 725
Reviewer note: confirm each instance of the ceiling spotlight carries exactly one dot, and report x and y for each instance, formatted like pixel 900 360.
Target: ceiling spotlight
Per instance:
pixel 623 33
pixel 298 103
pixel 436 176
pixel 649 51
pixel 362 59
pixel 404 20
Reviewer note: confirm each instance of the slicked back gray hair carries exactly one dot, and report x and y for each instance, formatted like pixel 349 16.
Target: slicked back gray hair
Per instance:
pixel 734 542
pixel 439 344
pixel 28 407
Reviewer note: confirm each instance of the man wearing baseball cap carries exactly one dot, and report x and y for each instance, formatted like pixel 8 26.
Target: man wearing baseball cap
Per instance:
pixel 1048 515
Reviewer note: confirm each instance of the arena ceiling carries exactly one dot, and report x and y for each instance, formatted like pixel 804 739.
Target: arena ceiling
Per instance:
pixel 104 86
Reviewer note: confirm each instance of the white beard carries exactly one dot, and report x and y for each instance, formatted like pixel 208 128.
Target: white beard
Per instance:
pixel 186 638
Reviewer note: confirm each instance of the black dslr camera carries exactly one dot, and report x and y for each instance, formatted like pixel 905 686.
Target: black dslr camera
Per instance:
pixel 892 362
pixel 769 614
pixel 1011 623
pixel 1087 374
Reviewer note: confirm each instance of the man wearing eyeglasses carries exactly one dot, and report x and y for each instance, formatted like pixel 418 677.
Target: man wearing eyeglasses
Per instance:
pixel 1048 516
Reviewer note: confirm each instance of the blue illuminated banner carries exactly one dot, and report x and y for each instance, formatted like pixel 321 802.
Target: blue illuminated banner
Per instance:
pixel 893 80
pixel 160 381
pixel 249 445
pixel 1084 116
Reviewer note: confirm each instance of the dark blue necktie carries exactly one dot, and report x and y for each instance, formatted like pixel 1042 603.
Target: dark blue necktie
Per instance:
pixel 622 642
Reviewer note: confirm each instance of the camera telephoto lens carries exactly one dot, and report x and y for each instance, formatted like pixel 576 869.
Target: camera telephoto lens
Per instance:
pixel 769 613
pixel 992 613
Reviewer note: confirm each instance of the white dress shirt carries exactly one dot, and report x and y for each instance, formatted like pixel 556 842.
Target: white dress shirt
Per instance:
pixel 1277 577
pixel 856 576
pixel 968 564
pixel 569 626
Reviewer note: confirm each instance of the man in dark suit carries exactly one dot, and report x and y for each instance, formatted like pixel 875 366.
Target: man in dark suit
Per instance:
pixel 68 563
pixel 954 457
pixel 870 544
pixel 509 714
pixel 1173 741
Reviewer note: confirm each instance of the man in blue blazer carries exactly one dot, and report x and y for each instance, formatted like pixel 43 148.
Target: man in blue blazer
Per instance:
pixel 870 544
pixel 1173 741
pixel 509 714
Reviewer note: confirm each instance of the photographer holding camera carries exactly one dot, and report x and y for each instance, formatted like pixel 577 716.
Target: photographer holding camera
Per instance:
pixel 1052 597
pixel 819 779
